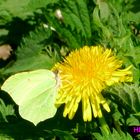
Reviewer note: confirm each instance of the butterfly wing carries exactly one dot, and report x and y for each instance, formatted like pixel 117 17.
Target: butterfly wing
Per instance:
pixel 34 92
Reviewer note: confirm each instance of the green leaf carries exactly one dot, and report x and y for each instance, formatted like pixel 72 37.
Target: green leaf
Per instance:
pixel 65 34
pixel 134 55
pixel 5 137
pixel 34 92
pixel 5 111
pixel 14 7
pixel 132 121
pixel 99 24
pixel 21 9
pixel 126 96
pixel 63 135
pixel 104 10
pixel 84 16
pixel 33 5
pixel 76 15
pixel 113 136
pixel 31 52
pixel 135 17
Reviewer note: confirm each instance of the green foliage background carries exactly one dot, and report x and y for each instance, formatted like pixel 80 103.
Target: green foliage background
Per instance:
pixel 40 38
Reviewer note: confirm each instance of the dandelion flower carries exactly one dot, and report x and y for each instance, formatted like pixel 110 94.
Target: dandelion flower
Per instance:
pixel 83 75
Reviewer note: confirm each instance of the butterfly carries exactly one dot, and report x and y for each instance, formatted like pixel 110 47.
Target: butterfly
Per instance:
pixel 34 92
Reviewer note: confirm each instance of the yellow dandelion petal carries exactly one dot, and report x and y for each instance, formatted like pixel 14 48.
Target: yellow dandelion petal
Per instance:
pixel 83 75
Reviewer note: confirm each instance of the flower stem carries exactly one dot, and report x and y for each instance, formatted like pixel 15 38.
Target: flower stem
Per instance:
pixel 105 128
